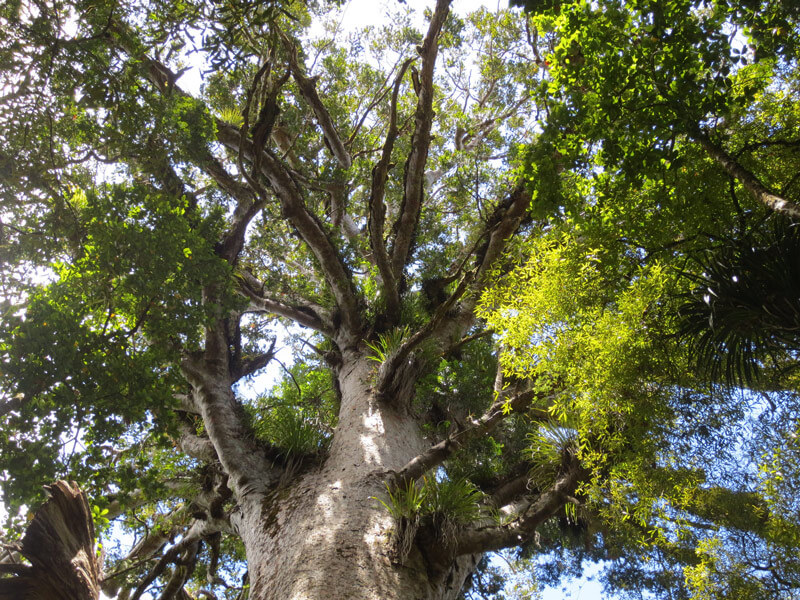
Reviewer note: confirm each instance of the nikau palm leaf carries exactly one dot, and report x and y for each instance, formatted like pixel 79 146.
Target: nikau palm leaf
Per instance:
pixel 747 304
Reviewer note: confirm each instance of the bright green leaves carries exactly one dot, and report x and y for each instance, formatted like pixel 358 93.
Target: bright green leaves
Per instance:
pixel 639 75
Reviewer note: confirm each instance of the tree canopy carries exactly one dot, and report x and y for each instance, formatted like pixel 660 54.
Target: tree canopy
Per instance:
pixel 537 270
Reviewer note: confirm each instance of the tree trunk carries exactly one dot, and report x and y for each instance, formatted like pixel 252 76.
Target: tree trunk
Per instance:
pixel 325 535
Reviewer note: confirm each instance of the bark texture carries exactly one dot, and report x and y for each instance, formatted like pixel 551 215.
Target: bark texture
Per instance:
pixel 59 544
pixel 325 534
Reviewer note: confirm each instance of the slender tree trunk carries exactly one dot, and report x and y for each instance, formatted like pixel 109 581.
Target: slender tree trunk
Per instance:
pixel 325 535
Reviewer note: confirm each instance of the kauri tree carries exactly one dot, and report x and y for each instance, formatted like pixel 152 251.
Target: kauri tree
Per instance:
pixel 485 247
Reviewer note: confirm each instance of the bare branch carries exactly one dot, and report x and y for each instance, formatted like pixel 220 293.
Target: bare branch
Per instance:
pixel 377 207
pixel 511 489
pixel 308 89
pixel 413 177
pixel 181 573
pixel 437 454
pixel 499 229
pixel 248 205
pixel 464 341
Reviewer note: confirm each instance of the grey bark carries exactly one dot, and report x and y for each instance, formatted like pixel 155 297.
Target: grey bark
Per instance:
pixel 325 535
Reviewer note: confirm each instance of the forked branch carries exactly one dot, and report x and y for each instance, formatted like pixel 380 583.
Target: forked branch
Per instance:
pixel 307 225
pixel 308 89
pixel 413 176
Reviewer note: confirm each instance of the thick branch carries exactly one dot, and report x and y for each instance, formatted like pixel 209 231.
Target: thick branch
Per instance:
pixel 251 364
pixel 437 454
pixel 748 180
pixel 307 225
pixel 377 207
pixel 248 466
pixel 306 314
pixel 413 177
pixel 248 205
pixel 181 573
pixel 308 89
pixel 196 446
pixel 496 537
pixel 511 489
pixel 500 228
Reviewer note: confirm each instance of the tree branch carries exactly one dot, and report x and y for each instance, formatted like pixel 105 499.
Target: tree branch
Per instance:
pixel 308 90
pixel 499 229
pixel 247 464
pixel 194 445
pixel 413 176
pixel 511 489
pixel 495 537
pixel 377 207
pixel 248 205
pixel 390 370
pixel 190 540
pixel 309 228
pixel 252 364
pixel 437 454
pixel 748 179
pixel 306 314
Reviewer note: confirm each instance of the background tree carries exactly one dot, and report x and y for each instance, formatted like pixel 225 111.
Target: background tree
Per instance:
pixel 407 204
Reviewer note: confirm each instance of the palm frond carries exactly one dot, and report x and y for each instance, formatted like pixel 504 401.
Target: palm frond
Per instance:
pixel 746 305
